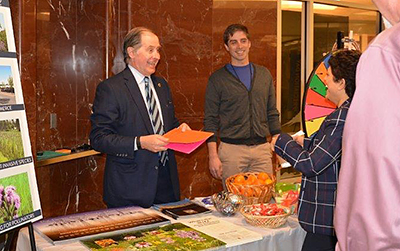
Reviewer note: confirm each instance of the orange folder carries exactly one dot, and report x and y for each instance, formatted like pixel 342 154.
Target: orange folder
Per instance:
pixel 190 136
pixel 187 141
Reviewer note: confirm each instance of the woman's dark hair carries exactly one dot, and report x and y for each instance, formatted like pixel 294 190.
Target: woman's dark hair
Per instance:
pixel 343 65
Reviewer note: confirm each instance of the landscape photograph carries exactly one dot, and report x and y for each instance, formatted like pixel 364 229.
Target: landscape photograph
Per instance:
pixel 3 34
pixel 11 146
pixel 7 90
pixel 15 197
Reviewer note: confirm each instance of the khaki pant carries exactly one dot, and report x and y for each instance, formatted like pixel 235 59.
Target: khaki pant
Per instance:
pixel 242 158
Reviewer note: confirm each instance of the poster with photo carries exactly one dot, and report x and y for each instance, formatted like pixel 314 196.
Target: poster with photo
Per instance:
pixel 19 196
pixel 175 236
pixel 11 147
pixel 69 228
pixel 7 44
pixel 14 137
pixel 10 85
pixel 15 197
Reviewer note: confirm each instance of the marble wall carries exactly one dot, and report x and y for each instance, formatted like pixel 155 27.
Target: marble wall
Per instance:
pixel 66 47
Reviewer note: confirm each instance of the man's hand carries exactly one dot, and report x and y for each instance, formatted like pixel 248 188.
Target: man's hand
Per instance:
pixel 184 127
pixel 154 143
pixel 215 166
pixel 273 141
pixel 214 163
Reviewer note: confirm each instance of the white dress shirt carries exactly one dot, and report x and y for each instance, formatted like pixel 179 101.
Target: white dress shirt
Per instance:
pixel 139 77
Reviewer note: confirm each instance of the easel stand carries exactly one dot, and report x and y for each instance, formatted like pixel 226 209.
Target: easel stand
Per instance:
pixel 14 231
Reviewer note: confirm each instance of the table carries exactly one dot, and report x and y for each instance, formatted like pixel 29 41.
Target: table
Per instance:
pixel 288 237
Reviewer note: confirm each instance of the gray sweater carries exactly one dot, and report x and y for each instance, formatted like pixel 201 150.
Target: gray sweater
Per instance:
pixel 239 116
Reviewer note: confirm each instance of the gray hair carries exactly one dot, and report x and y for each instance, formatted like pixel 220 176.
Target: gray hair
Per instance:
pixel 134 39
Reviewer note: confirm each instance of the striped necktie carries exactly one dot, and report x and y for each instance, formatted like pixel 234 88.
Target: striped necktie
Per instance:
pixel 155 116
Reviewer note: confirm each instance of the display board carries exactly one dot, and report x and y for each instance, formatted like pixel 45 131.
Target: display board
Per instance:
pixel 19 196
pixel 315 106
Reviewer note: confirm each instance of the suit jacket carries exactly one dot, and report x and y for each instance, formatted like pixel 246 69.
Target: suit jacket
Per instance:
pixel 119 115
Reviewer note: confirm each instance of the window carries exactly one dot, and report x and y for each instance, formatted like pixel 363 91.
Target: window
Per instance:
pixel 300 52
pixel 291 66
pixel 329 19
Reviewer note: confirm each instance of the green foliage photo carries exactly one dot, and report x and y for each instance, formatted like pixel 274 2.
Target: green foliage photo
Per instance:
pixel 3 39
pixel 21 184
pixel 11 146
pixel 170 237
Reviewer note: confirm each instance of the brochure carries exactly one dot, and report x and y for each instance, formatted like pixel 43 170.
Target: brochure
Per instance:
pixel 182 209
pixel 225 231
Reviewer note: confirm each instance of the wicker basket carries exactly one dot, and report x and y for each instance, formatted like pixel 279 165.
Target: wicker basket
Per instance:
pixel 252 194
pixel 265 221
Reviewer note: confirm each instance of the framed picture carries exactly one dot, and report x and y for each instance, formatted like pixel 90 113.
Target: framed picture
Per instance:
pixel 19 196
pixel 10 82
pixel 14 138
pixel 7 43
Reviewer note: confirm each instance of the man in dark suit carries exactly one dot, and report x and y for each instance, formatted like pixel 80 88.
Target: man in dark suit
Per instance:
pixel 131 111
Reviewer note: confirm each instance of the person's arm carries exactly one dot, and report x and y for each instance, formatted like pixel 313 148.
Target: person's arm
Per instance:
pixel 272 112
pixel 105 138
pixel 273 141
pixel 214 162
pixel 317 158
pixel 103 135
pixel 211 124
pixel 211 110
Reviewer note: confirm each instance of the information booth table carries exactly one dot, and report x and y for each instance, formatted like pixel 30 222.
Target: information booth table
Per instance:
pixel 288 237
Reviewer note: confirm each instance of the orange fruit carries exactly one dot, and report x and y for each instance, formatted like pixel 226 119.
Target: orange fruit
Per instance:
pixel 247 182
pixel 239 179
pixel 251 179
pixel 268 181
pixel 262 176
pixel 258 182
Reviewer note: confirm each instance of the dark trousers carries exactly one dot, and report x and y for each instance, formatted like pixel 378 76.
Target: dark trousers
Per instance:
pixel 319 242
pixel 165 191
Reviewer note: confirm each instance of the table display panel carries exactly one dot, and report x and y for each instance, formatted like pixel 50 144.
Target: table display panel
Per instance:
pixel 289 236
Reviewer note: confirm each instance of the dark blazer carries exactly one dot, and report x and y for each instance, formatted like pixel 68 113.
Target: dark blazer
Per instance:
pixel 120 115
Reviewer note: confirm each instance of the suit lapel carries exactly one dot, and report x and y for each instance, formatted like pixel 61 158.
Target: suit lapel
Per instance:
pixel 162 97
pixel 133 88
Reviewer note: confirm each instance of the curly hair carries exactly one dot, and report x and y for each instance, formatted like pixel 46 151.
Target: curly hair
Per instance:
pixel 343 65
